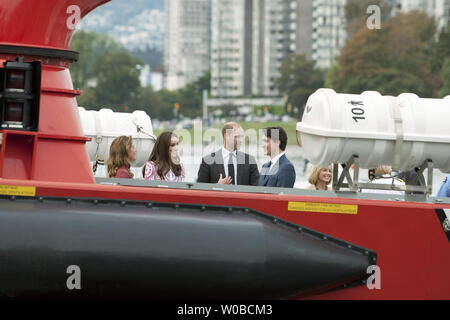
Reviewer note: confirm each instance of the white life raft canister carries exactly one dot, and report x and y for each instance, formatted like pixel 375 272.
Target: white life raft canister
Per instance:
pixel 105 125
pixel 401 131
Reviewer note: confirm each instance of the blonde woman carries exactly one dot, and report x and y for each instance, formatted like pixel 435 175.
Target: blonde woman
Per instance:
pixel 320 178
pixel 121 153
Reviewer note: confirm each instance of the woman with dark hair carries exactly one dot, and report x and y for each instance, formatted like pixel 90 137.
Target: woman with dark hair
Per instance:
pixel 164 162
pixel 121 153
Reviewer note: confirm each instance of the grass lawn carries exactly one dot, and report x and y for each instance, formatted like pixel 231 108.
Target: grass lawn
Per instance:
pixel 288 126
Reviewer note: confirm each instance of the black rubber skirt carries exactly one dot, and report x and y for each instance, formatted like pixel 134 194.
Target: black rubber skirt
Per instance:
pixel 92 248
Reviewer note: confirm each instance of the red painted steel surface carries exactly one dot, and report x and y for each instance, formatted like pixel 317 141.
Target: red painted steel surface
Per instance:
pixel 17 146
pixel 39 23
pixel 413 251
pixel 48 25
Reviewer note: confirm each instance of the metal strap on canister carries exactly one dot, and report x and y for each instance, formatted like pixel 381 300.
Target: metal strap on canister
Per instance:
pixel 398 126
pixel 98 133
pixel 140 128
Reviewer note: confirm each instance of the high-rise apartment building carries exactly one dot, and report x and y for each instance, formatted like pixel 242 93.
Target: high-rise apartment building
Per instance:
pixel 439 9
pixel 280 26
pixel 187 41
pixel 329 31
pixel 230 53
pixel 250 39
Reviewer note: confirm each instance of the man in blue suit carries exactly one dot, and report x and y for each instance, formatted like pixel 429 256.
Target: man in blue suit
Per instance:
pixel 279 171
pixel 444 190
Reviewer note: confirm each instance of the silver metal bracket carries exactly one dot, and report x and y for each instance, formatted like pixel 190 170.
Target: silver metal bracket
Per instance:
pixel 354 185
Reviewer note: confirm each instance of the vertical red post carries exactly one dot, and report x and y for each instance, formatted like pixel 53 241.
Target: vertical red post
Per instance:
pixel 41 31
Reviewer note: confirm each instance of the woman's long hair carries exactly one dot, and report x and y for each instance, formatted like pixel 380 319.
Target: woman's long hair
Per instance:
pixel 118 155
pixel 161 156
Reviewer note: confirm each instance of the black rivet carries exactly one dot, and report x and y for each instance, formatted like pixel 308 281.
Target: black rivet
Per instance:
pixel 13 198
pixel 203 208
pixel 123 203
pixel 95 201
pixel 41 199
pixel 149 204
pixel 68 201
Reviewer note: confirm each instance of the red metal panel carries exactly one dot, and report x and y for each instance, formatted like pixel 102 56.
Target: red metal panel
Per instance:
pixel 56 77
pixel 413 251
pixel 62 160
pixel 17 158
pixel 41 23
pixel 69 92
pixel 59 116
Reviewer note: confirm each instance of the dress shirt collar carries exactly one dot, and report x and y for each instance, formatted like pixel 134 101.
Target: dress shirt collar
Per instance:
pixel 226 154
pixel 274 160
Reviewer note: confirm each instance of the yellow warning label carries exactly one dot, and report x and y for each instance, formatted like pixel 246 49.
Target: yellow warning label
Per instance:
pixel 323 207
pixel 18 191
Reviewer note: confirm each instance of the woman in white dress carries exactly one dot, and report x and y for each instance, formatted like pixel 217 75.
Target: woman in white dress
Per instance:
pixel 383 175
pixel 164 161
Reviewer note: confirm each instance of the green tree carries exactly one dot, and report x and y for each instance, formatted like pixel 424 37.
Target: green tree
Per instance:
pixel 107 74
pixel 160 104
pixel 298 79
pixel 150 101
pixel 391 60
pixel 117 78
pixel 90 45
pixel 441 50
pixel 445 74
pixel 88 98
pixel 331 76
pixel 191 97
pixel 168 100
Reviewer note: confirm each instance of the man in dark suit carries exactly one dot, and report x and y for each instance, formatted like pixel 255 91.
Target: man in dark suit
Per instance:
pixel 228 165
pixel 279 171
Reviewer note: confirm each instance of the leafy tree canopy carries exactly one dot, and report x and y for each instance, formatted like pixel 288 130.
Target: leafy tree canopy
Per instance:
pixel 391 60
pixel 90 45
pixel 107 73
pixel 441 50
pixel 298 80
pixel 445 74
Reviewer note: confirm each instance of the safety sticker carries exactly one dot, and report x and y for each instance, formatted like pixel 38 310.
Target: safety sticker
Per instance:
pixel 323 207
pixel 18 191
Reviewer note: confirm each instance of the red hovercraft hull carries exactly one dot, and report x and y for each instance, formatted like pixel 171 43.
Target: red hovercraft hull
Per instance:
pixel 53 212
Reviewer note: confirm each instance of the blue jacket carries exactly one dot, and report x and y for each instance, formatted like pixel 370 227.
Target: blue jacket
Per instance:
pixel 281 175
pixel 444 190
